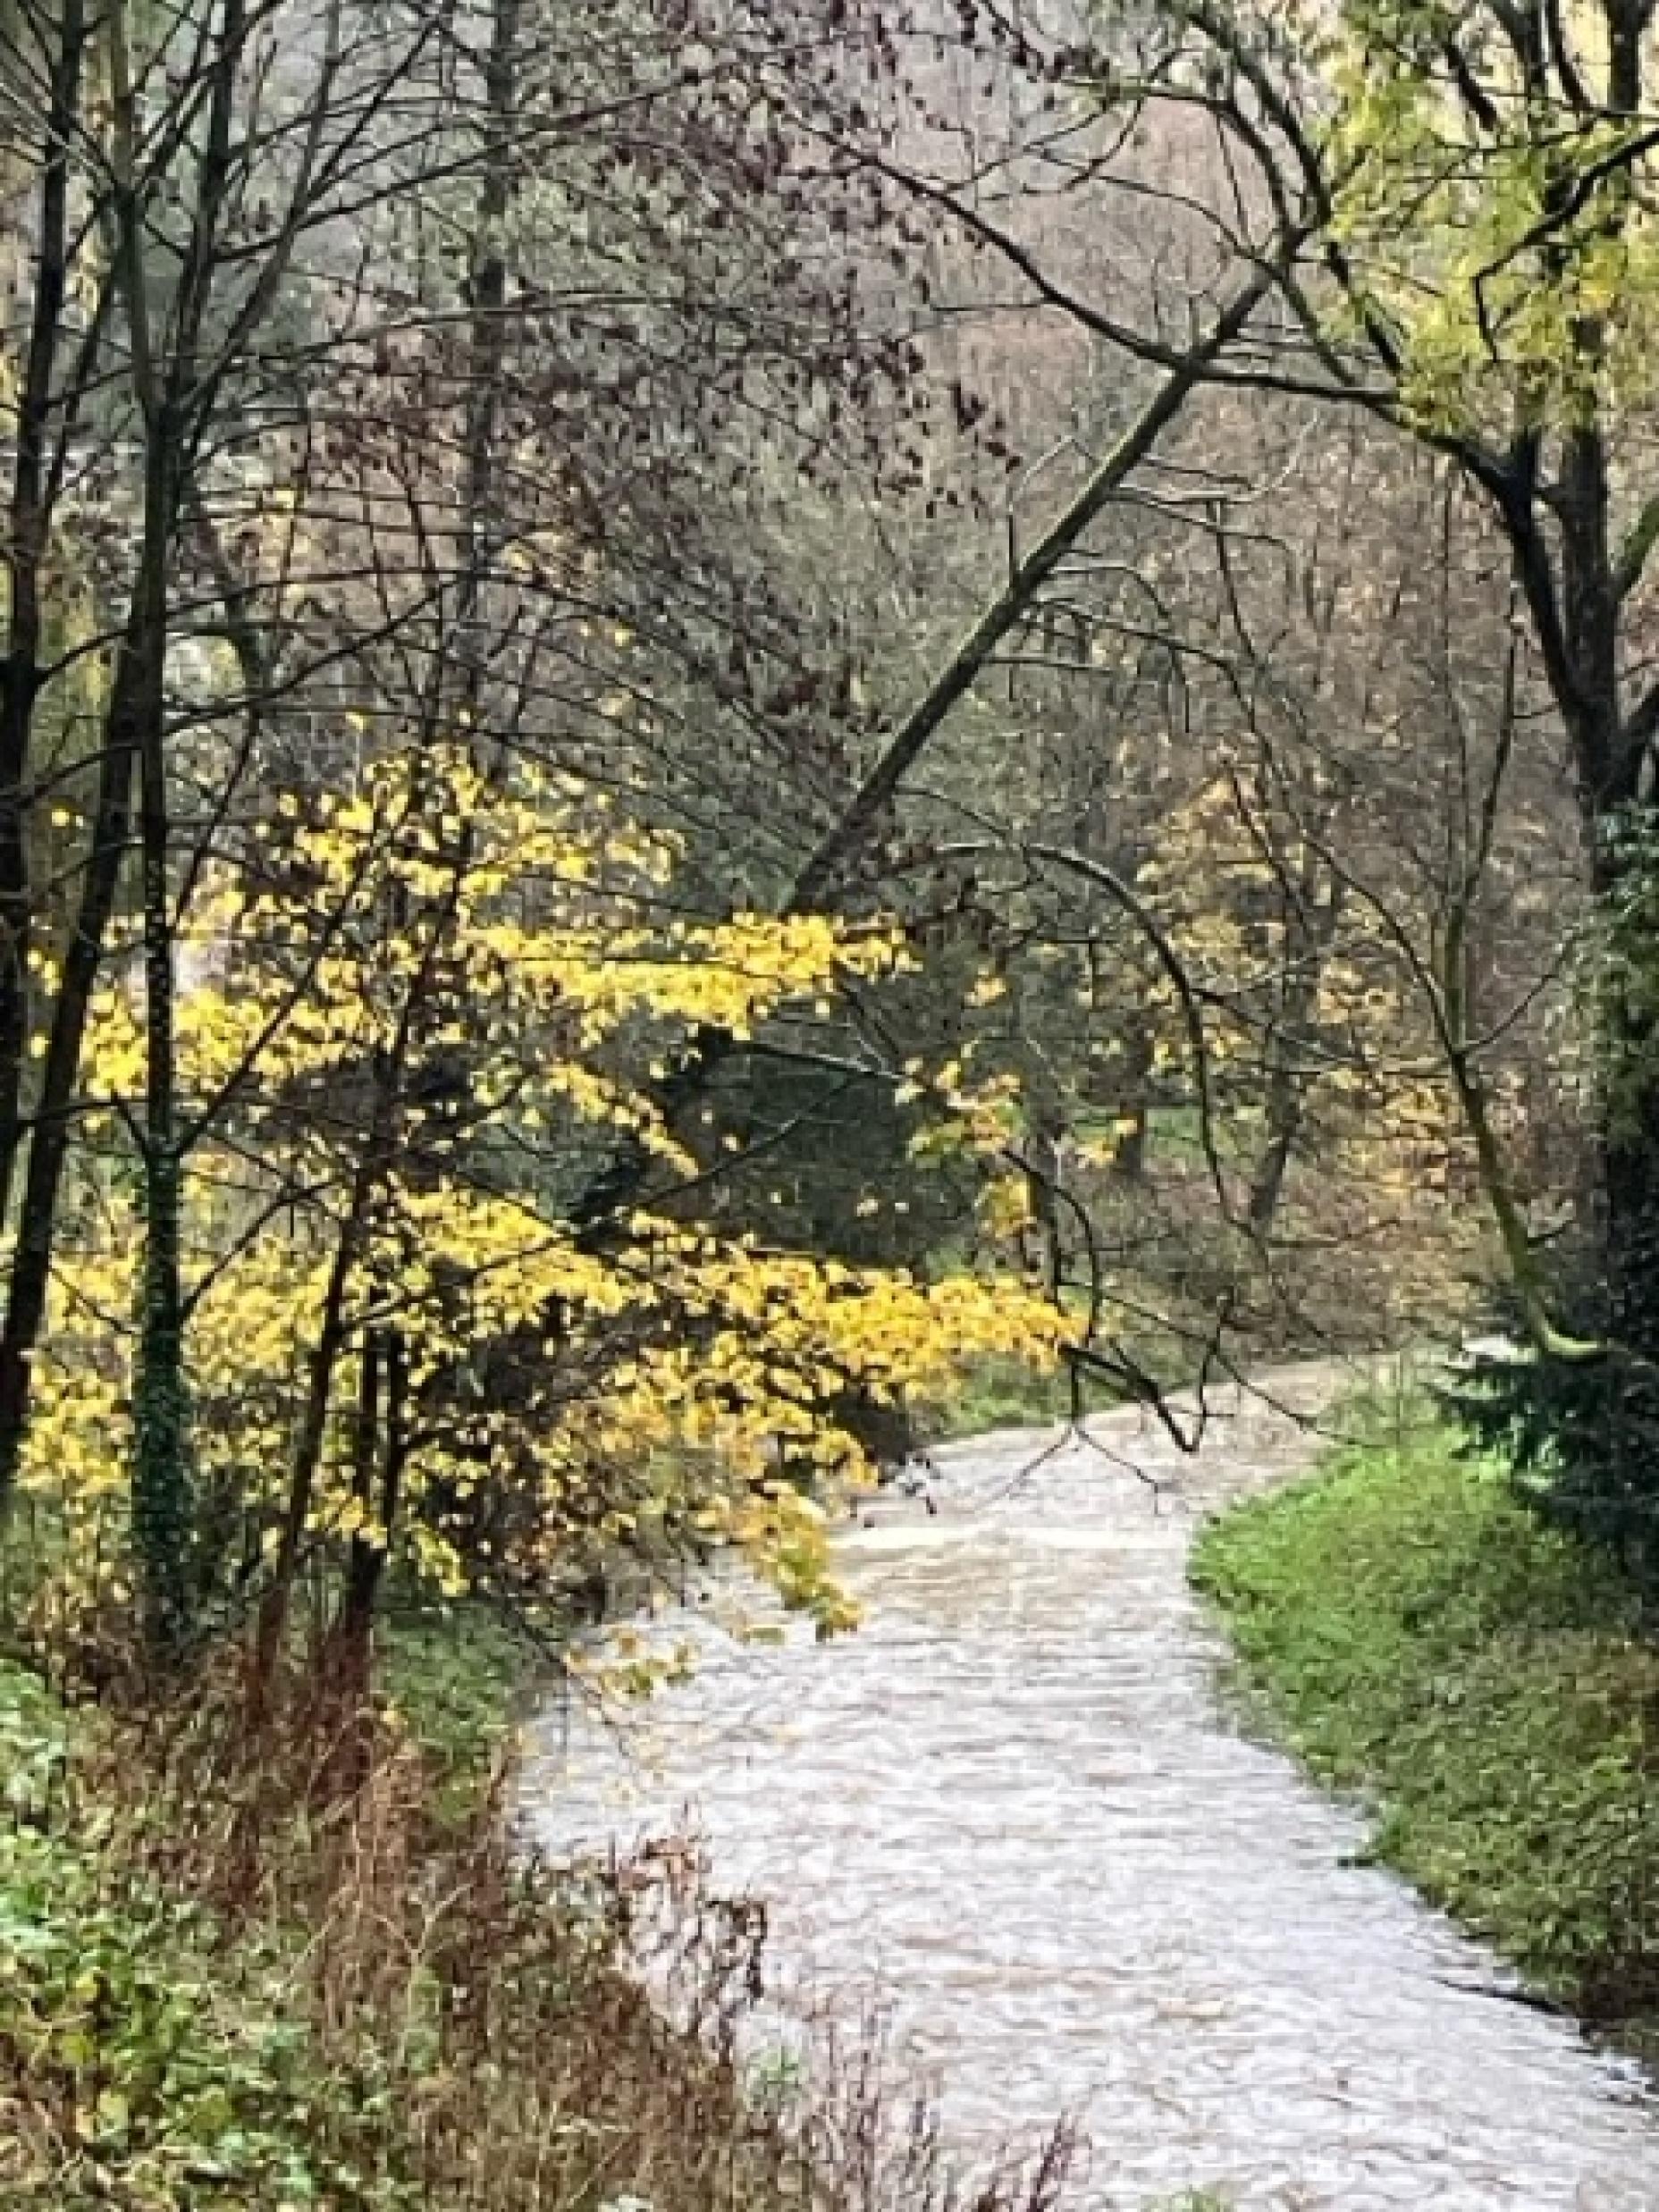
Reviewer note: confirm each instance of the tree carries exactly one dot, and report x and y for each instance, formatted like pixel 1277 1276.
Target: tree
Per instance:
pixel 1507 333
pixel 426 537
pixel 1462 200
pixel 406 1352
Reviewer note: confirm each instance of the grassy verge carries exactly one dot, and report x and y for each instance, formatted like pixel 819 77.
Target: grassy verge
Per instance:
pixel 1486 1682
pixel 1001 1394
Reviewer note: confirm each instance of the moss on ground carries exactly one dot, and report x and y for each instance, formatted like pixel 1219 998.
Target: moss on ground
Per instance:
pixel 1486 1682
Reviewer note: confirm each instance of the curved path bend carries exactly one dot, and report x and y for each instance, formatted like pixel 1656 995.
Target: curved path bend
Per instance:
pixel 1016 1803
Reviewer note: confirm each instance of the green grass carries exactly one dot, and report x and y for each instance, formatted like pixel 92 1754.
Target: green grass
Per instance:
pixel 456 1679
pixel 1419 1637
pixel 1003 1394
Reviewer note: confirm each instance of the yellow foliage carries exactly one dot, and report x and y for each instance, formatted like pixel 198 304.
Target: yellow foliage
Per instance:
pixel 564 1392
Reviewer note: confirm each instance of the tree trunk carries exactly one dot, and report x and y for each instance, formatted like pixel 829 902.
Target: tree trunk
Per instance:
pixel 163 1486
pixel 30 523
pixel 1608 769
pixel 333 1332
pixel 379 1449
pixel 1628 1139
pixel 1309 937
pixel 55 1108
pixel 1129 1146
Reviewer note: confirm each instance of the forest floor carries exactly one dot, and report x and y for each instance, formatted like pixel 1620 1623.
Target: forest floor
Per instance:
pixel 1485 1683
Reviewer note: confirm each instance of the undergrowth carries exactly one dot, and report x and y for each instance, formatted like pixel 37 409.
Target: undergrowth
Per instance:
pixel 227 1981
pixel 1487 1681
pixel 1002 1393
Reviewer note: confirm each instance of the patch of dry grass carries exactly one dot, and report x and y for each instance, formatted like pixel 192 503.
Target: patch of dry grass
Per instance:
pixel 225 1982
